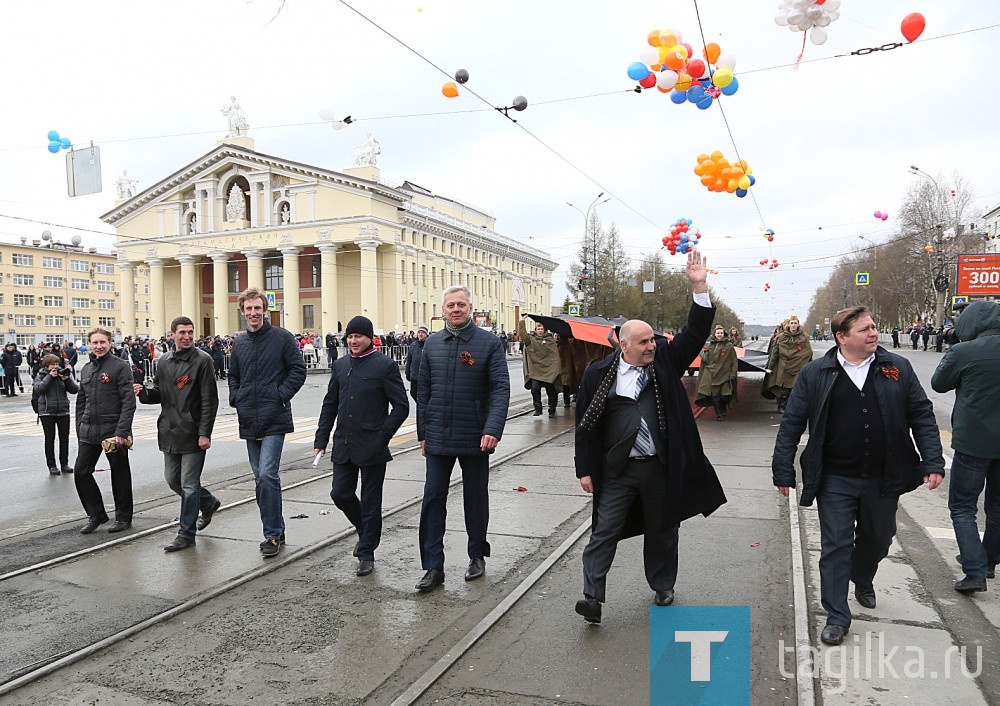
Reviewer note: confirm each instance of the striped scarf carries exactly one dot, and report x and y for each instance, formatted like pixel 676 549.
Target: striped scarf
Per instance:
pixel 595 410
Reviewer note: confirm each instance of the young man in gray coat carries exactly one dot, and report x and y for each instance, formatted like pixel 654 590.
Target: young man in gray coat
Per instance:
pixel 363 385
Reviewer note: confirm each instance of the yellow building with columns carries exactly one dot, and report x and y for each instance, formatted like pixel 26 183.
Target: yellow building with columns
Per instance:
pixel 330 245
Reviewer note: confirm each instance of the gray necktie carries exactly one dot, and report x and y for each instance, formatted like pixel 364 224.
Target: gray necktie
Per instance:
pixel 643 441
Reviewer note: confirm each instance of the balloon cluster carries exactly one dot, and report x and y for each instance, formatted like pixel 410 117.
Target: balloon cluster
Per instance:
pixel 810 16
pixel 57 143
pixel 769 235
pixel 669 64
pixel 718 175
pixel 881 216
pixel 772 264
pixel 767 287
pixel 449 89
pixel 949 234
pixel 682 238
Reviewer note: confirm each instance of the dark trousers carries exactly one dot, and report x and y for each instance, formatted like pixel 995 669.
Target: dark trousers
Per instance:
pixel 970 476
pixel 856 529
pixel 9 381
pixel 365 514
pixel 536 394
pixel 413 390
pixel 648 481
pixel 87 456
pixel 50 425
pixel 434 510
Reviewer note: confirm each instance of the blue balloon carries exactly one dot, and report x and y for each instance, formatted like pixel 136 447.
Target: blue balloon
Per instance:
pixel 688 221
pixel 705 103
pixel 731 88
pixel 696 94
pixel 637 71
pixel 705 83
pixel 54 147
pixel 678 97
pixel 741 192
pixel 65 143
pixel 53 135
pixel 753 179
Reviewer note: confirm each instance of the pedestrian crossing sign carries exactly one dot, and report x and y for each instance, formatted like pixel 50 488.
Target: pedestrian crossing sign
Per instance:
pixel 861 279
pixel 960 299
pixel 272 301
pixel 573 310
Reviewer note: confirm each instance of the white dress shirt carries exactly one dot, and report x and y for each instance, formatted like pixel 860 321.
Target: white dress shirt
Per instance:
pixel 857 373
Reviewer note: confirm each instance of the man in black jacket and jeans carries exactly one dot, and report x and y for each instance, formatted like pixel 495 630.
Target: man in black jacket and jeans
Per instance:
pixel 862 404
pixel 363 384
pixel 184 386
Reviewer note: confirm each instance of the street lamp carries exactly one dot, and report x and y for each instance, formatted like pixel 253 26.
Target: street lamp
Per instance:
pixel 586 222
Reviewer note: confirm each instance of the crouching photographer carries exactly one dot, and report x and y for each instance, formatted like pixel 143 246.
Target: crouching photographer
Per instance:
pixel 971 367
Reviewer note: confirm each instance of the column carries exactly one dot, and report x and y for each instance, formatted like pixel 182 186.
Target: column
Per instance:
pixel 255 268
pixel 220 285
pixel 208 225
pixel 158 324
pixel 189 288
pixel 328 286
pixel 290 278
pixel 128 298
pixel 369 279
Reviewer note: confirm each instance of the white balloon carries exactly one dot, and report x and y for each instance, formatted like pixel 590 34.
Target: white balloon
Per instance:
pixel 727 60
pixel 817 35
pixel 649 56
pixel 796 16
pixel 666 79
pixel 823 21
pixel 337 124
pixel 833 15
pixel 814 12
pixel 781 19
pixel 805 24
pixel 327 114
pixel 831 5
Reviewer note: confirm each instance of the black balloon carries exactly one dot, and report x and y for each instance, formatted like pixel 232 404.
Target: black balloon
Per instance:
pixel 520 102
pixel 461 75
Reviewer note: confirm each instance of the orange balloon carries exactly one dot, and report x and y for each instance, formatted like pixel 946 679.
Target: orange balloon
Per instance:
pixel 736 172
pixel 732 186
pixel 661 89
pixel 674 61
pixel 682 50
pixel 667 38
pixel 709 167
pixel 683 82
pixel 712 52
pixel 653 38
pixel 708 180
pixel 701 157
pixel 716 156
pixel 450 90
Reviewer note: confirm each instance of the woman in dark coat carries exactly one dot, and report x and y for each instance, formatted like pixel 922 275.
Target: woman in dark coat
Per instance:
pixel 51 384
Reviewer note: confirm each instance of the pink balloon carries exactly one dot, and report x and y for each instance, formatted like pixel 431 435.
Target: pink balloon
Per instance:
pixel 878 214
pixel 885 216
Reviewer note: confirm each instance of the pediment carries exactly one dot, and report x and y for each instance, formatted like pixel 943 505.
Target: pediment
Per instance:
pixel 217 166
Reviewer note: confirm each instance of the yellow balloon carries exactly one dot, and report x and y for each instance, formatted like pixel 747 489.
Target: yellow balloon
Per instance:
pixel 744 183
pixel 722 77
pixel 680 49
pixel 683 82
pixel 668 38
pixel 732 186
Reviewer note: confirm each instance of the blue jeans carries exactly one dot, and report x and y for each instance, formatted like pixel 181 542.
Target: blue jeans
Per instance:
pixel 183 474
pixel 265 455
pixel 969 475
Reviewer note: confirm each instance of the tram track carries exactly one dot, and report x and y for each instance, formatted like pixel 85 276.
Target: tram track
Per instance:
pixel 29 673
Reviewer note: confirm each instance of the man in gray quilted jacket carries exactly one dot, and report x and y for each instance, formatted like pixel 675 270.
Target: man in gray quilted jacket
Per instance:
pixel 463 393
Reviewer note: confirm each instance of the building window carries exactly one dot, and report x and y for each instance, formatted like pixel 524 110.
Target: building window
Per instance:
pixel 146 292
pixel 106 268
pixel 308 319
pixel 317 271
pixel 24 319
pixel 25 339
pixel 80 303
pixel 81 321
pixel 24 280
pixel 274 273
pixel 80 284
pixel 55 320
pixel 415 322
pixel 24 300
pixel 106 304
pixel 104 285
pixel 233 275
pixel 106 321
pixel 52 263
pixel 52 301
pixel 56 282
pixel 402 270
pixel 19 259
pixel 79 265
pixel 402 308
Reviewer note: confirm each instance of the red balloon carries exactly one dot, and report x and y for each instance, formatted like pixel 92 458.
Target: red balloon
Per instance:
pixel 649 81
pixel 695 68
pixel 912 26
pixel 764 261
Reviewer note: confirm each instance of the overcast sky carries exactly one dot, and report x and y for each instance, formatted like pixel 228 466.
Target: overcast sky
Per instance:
pixel 830 141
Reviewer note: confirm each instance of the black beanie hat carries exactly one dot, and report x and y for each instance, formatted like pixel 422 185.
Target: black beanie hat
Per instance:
pixel 360 324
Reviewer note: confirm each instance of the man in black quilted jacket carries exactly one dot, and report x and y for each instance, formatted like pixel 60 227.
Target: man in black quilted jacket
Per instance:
pixel 463 393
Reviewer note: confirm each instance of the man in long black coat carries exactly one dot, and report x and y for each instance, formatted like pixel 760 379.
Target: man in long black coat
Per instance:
pixel 638 449
pixel 363 385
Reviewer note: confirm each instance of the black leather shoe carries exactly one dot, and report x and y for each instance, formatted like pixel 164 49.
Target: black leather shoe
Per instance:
pixel 970 585
pixel 67 469
pixel 865 596
pixel 477 567
pixel 431 580
pixel 537 413
pixel 178 544
pixel 206 515
pixel 664 597
pixel 552 411
pixel 991 571
pixel 53 471
pixel 833 634
pixel 92 524
pixel 119 526
pixel 590 609
pixel 365 566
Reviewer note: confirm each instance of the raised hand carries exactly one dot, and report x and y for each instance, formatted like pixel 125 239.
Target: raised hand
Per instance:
pixel 697 272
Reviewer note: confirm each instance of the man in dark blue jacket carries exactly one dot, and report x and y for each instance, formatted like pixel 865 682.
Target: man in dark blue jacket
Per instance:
pixel 265 371
pixel 412 370
pixel 363 384
pixel 862 404
pixel 462 398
